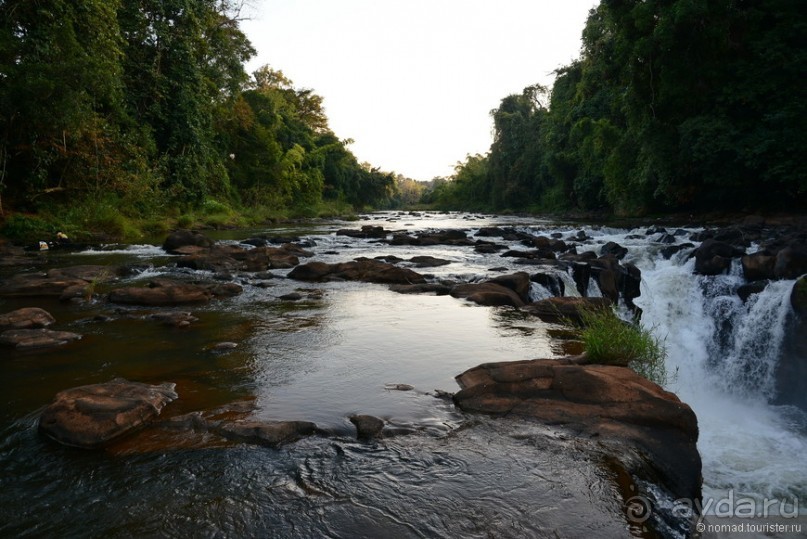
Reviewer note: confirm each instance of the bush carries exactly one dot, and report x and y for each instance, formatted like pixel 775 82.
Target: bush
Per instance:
pixel 612 341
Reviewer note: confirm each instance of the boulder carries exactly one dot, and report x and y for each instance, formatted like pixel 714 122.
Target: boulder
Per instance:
pixel 38 285
pixel 428 288
pixel 798 297
pixel 364 269
pixel 181 237
pixel 551 282
pixel 428 261
pixel 745 291
pixel 610 403
pixel 27 339
pixel 791 263
pixel 161 292
pixel 758 266
pixel 488 294
pixel 566 308
pixel 367 231
pixel 713 257
pixel 93 415
pixel 614 249
pixel 367 426
pixel 26 318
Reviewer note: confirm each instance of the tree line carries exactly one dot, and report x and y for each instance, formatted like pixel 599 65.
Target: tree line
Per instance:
pixel 146 106
pixel 673 105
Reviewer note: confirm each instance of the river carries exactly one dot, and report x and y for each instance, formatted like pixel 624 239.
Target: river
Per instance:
pixel 339 351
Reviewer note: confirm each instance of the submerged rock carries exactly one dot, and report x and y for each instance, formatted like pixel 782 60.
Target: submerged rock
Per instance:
pixel 367 426
pixel 268 433
pixel 93 415
pixel 658 432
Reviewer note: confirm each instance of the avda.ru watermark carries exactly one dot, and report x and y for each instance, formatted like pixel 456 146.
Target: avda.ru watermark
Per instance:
pixel 640 508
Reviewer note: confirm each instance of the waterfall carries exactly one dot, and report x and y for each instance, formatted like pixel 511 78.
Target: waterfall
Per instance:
pixel 723 354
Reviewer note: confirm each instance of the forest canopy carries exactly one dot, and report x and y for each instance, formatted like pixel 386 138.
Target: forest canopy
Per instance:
pixel 673 105
pixel 146 107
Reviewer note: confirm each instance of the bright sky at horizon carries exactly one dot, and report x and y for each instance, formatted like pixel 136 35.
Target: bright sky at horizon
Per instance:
pixel 413 82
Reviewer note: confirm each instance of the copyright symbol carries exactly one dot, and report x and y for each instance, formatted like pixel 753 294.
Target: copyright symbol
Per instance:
pixel 638 509
pixel 700 526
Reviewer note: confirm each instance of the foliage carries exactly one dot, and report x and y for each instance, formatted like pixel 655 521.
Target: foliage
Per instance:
pixel 673 105
pixel 612 341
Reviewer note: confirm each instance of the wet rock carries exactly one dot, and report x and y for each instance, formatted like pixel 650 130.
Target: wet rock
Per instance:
pixel 399 387
pixel 713 257
pixel 791 262
pixel 518 282
pixel 666 239
pixel 174 319
pixel 167 292
pixel 428 261
pixel 266 433
pixel 758 266
pixel 614 249
pixel 367 270
pixel 93 415
pixel 89 273
pixel 264 258
pixel 791 370
pixel 566 308
pixel 292 296
pixel 28 339
pixel 488 248
pixel 224 346
pixel 551 282
pixel 428 288
pixel 27 318
pixel 182 237
pixel 613 404
pixel 581 274
pixel 668 252
pixel 38 285
pixel 746 290
pixel 487 294
pixel 367 426
pixel 366 231
pixel 443 237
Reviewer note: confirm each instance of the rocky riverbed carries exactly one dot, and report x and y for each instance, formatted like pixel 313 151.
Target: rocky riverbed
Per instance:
pixel 226 380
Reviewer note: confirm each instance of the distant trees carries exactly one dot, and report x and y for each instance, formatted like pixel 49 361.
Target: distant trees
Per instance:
pixel 674 104
pixel 148 103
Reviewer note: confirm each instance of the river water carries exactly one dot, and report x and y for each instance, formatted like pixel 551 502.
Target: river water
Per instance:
pixel 338 352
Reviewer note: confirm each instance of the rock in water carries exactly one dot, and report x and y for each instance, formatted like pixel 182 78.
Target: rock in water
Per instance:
pixel 93 415
pixel 27 339
pixel 27 318
pixel 646 428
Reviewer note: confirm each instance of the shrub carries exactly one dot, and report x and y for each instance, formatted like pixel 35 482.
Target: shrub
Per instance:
pixel 612 341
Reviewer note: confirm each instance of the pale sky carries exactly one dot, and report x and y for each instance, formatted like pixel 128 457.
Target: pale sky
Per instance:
pixel 413 82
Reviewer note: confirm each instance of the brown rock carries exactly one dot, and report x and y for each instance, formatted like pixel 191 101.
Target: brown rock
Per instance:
pixel 161 292
pixel 93 415
pixel 613 403
pixel 758 266
pixel 268 433
pixel 367 270
pixel 38 285
pixel 27 339
pixel 182 237
pixel 367 426
pixel 488 293
pixel 27 318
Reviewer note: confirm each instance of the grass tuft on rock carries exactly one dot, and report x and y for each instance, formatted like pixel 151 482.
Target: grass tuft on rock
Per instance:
pixel 610 340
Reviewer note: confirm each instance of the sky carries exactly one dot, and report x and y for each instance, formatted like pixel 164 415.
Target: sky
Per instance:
pixel 413 82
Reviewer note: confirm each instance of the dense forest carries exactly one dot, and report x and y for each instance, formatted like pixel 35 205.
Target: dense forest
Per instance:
pixel 674 105
pixel 112 109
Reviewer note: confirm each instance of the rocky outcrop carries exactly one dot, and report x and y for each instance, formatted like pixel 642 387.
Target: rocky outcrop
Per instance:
pixel 27 318
pixel 363 269
pixel 612 404
pixel 714 257
pixel 167 292
pixel 28 339
pixel 93 415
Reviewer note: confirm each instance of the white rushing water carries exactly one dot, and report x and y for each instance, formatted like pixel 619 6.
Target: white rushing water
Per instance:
pixel 723 354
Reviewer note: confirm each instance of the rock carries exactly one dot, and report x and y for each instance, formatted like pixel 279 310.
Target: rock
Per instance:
pixel 181 237
pixel 89 273
pixel 758 266
pixel 27 318
pixel 291 296
pixel 27 339
pixel 428 261
pixel 428 288
pixel 93 415
pixel 551 282
pixel 581 273
pixel 713 257
pixel 175 319
pixel 367 270
pixel 367 426
pixel 512 290
pixel 746 290
pixel 566 308
pixel 38 285
pixel 669 251
pixel 791 263
pixel 168 292
pixel 612 403
pixel 798 297
pixel 614 249
pixel 222 346
pixel 488 248
pixel 267 433
pixel 367 231
pixel 263 258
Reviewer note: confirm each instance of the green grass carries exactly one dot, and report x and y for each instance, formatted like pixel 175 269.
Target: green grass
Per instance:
pixel 610 340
